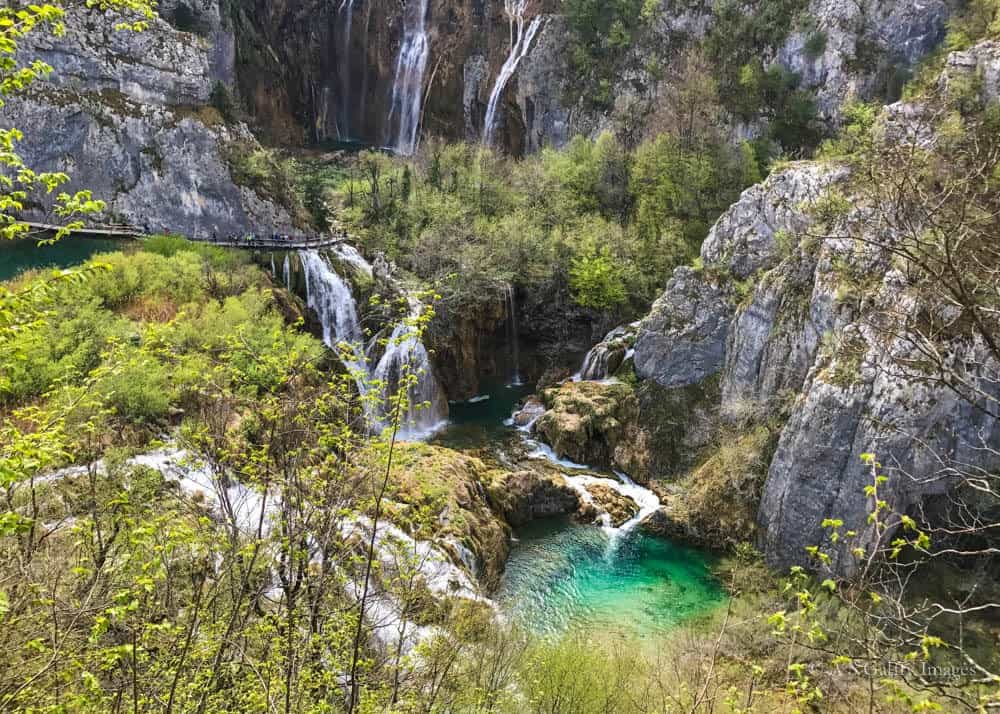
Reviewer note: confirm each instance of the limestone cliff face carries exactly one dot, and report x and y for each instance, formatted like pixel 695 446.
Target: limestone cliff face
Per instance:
pixel 315 73
pixel 124 115
pixel 766 316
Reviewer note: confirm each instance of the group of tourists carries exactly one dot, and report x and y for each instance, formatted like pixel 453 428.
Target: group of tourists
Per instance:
pixel 273 237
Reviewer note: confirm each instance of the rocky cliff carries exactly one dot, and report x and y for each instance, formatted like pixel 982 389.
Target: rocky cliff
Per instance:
pixel 769 315
pixel 127 115
pixel 322 73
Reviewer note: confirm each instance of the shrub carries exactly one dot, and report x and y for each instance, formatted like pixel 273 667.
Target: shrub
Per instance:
pixel 815 44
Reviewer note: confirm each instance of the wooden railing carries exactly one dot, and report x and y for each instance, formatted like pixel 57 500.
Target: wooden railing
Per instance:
pixel 253 241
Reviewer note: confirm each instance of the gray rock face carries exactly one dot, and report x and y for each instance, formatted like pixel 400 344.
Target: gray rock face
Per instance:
pixel 863 43
pixel 682 340
pixel 158 66
pixel 978 66
pixel 122 116
pixel 780 352
pixel 541 79
pixel 817 472
pixel 743 239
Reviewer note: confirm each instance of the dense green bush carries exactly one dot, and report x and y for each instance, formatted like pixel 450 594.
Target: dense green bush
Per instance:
pixel 150 329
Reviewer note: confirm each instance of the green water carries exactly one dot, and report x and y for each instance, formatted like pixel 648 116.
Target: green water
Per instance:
pixel 480 423
pixel 564 576
pixel 20 255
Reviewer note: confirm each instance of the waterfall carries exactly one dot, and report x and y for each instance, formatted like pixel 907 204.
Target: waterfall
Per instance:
pixel 513 344
pixel 408 83
pixel 520 43
pixel 332 300
pixel 286 271
pixel 608 355
pixel 405 355
pixel 345 18
pixel 330 297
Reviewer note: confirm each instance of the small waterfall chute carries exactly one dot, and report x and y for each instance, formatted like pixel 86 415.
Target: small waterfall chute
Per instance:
pixel 408 82
pixel 286 272
pixel 513 338
pixel 608 355
pixel 406 360
pixel 331 298
pixel 520 43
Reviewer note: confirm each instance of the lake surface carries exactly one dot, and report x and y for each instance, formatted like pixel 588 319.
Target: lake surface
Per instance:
pixel 566 576
pixel 20 255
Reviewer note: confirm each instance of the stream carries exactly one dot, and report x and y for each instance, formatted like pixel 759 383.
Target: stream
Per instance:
pixel 566 576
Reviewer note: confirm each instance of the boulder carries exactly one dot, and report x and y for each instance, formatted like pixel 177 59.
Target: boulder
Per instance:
pixel 523 496
pixel 619 507
pixel 593 423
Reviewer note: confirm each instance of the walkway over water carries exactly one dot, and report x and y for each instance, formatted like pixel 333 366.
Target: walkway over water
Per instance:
pixel 245 241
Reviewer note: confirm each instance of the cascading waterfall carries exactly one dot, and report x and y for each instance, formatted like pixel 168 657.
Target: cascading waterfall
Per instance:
pixel 330 296
pixel 408 83
pixel 345 18
pixel 405 356
pixel 513 344
pixel 286 272
pixel 332 300
pixel 520 43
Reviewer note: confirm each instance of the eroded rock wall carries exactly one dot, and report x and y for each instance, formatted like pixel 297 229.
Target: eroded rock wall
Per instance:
pixel 794 349
pixel 125 115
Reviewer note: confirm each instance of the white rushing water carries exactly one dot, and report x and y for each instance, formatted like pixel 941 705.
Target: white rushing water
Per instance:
pixel 520 43
pixel 647 501
pixel 331 298
pixel 286 271
pixel 345 21
pixel 513 341
pixel 406 358
pixel 408 82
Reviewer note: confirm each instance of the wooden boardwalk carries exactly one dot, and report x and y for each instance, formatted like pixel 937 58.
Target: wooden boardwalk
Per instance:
pixel 255 243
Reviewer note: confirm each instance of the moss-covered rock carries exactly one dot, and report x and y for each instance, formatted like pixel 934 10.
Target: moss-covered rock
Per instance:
pixel 619 507
pixel 449 492
pixel 523 496
pixel 595 423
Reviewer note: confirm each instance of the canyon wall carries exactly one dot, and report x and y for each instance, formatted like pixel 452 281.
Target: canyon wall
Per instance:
pixel 768 314
pixel 127 115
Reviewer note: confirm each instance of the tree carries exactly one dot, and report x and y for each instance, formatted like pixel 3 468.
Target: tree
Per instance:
pixel 597 281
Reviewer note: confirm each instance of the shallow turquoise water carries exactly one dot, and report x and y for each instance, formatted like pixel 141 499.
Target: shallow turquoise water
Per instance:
pixel 20 255
pixel 564 576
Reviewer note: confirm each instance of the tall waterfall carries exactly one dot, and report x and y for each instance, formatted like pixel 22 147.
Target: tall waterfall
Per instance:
pixel 408 83
pixel 405 355
pixel 520 43
pixel 330 296
pixel 513 344
pixel 345 20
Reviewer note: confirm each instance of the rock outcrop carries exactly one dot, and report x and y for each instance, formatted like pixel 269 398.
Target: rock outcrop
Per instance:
pixel 864 50
pixel 591 423
pixel 799 365
pixel 126 116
